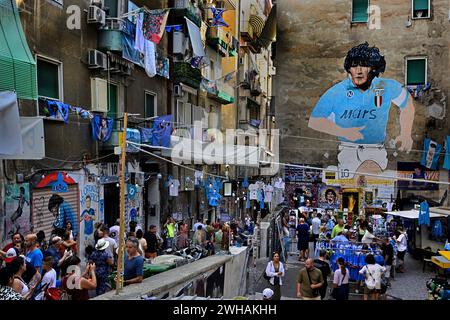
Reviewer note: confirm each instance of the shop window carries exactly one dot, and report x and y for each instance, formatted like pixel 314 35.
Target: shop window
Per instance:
pixel 421 9
pixel 150 104
pixel 360 11
pixel 49 75
pixel 416 71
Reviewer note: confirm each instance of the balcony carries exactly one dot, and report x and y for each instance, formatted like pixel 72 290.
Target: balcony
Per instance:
pixel 234 47
pixel 218 39
pixel 183 8
pixel 223 94
pixel 110 35
pixel 184 73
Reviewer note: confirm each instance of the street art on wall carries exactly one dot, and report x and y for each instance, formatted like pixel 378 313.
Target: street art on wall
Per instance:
pixel 414 170
pixel 302 194
pixel 329 197
pixel 356 111
pixel 89 203
pixel 17 210
pixel 293 174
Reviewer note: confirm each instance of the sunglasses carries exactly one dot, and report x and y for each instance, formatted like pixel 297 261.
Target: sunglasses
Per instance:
pixel 175 27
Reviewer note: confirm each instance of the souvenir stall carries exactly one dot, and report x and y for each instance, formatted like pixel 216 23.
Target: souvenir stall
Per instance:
pixel 423 238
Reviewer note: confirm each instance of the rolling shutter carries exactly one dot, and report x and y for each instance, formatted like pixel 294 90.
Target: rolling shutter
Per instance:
pixel 42 217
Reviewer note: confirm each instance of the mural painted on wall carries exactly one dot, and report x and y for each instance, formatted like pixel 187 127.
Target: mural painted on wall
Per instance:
pixel 17 210
pixel 63 213
pixel 329 197
pixel 302 194
pixel 417 171
pixel 89 203
pixel 356 111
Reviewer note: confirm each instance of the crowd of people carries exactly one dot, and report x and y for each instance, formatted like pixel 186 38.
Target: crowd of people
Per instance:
pixel 33 268
pixel 313 278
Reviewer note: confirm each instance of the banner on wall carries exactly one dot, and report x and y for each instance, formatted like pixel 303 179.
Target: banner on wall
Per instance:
pixel 329 197
pixel 414 170
pixel 293 174
pixel 17 210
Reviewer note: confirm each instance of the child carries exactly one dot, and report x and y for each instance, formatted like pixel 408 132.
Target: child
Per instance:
pixel 50 273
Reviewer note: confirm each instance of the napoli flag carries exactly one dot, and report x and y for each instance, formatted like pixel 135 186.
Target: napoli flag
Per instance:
pixel 447 153
pixel 217 18
pixel 430 155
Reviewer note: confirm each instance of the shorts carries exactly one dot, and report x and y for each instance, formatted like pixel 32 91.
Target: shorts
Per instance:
pixel 387 274
pixel 370 291
pixel 352 155
pixel 303 245
pixel 401 255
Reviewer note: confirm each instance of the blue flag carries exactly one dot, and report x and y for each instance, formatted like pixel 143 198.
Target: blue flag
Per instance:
pixel 162 130
pixel 430 155
pixel 217 18
pixel 447 153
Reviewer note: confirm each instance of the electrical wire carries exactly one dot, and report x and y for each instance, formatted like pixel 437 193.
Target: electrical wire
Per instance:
pixel 172 162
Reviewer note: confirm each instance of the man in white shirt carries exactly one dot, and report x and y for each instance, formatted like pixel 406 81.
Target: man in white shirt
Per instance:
pixel 198 223
pixel 112 243
pixel 368 236
pixel 402 245
pixel 315 225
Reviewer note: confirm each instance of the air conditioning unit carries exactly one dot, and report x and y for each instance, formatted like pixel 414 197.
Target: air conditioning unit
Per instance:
pixel 98 3
pixel 96 15
pixel 177 90
pixel 99 95
pixel 180 43
pixel 96 59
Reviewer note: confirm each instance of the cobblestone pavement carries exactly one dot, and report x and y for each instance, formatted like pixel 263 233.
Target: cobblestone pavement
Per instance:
pixel 410 285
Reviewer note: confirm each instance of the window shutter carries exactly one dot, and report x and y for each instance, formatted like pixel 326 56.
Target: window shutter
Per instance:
pixel 420 5
pixel 180 114
pixel 112 101
pixel 149 105
pixel 187 115
pixel 359 13
pixel 416 72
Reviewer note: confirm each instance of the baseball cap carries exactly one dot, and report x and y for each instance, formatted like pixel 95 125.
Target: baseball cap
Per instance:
pixel 267 293
pixel 11 254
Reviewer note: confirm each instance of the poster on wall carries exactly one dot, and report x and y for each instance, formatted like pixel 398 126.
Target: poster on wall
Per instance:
pixel 358 117
pixel 302 194
pixel 329 197
pixel 17 210
pixel 89 208
pixel 414 170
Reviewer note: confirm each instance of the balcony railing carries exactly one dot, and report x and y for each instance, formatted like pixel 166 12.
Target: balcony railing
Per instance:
pixel 110 35
pixel 185 73
pixel 218 39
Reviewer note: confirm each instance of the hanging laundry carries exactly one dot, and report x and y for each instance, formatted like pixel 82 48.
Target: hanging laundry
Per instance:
pixel 268 192
pixel 253 191
pixel 430 155
pixel 162 130
pixel 245 183
pixel 146 135
pixel 447 153
pixel 10 127
pixel 247 203
pixel 150 59
pixel 139 40
pixel 437 229
pixel 214 199
pixel 55 107
pixel 217 18
pixel 101 128
pixel 218 185
pixel 197 177
pixel 424 213
pixel 154 24
pixel 174 186
pixel 129 51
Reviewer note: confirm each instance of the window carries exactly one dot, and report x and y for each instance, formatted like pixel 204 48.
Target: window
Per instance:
pixel 420 9
pixel 111 8
pixel 360 11
pixel 184 115
pixel 254 113
pixel 150 104
pixel 416 71
pixel 113 102
pixel 49 75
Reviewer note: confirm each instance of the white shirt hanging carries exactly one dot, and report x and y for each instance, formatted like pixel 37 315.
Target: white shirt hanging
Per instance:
pixel 174 186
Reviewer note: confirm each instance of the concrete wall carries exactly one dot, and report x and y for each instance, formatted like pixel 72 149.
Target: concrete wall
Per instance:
pixel 172 281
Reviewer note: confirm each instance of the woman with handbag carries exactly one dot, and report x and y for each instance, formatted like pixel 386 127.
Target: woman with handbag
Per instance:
pixel 340 281
pixel 274 273
pixel 373 273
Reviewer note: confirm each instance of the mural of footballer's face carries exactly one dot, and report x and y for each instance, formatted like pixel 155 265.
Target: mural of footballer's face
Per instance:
pixel 360 75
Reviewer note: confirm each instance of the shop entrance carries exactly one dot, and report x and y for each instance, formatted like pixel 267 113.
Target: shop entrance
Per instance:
pixel 350 201
pixel 112 203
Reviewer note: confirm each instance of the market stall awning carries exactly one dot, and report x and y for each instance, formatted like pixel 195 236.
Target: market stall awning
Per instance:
pixel 196 39
pixel 17 65
pixel 413 214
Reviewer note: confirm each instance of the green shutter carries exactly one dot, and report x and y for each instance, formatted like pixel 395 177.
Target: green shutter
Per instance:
pixel 416 72
pixel 48 79
pixel 149 105
pixel 17 65
pixel 359 12
pixel 420 5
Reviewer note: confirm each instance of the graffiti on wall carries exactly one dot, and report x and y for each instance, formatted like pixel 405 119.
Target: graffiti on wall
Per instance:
pixel 17 210
pixel 329 197
pixel 302 194
pixel 89 203
pixel 356 111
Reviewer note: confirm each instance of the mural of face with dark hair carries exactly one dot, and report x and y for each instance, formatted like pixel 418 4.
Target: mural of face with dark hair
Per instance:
pixel 360 76
pixel 330 196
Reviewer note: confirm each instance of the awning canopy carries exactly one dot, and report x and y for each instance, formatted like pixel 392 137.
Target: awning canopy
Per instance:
pixel 196 39
pixel 17 65
pixel 413 214
pixel 257 24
